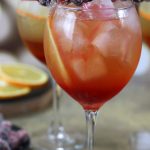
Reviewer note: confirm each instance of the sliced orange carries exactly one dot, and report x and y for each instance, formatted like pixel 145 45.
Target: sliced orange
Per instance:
pixel 8 91
pixel 53 53
pixel 144 11
pixel 23 75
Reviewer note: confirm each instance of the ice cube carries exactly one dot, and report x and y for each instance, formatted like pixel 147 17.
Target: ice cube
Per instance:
pixel 97 9
pixel 101 42
pixel 68 24
pixel 95 67
pixel 98 4
pixel 64 25
pixel 112 40
pixel 78 66
pixel 80 36
pixel 107 3
pixel 103 38
pixel 92 68
pixel 80 43
pixel 131 20
pixel 64 22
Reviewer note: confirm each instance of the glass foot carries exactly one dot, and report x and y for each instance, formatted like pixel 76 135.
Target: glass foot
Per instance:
pixel 60 142
pixel 140 141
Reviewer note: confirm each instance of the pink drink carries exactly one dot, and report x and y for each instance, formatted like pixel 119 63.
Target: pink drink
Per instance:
pixel 92 59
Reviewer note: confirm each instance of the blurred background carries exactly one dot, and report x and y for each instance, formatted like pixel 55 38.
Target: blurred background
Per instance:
pixel 10 42
pixel 119 121
pixel 12 50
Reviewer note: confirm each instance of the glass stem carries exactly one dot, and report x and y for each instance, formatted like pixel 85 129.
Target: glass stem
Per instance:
pixel 90 123
pixel 56 123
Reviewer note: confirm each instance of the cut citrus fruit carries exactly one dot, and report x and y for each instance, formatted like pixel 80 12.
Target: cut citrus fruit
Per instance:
pixel 144 10
pixel 23 75
pixel 31 18
pixel 8 91
pixel 51 49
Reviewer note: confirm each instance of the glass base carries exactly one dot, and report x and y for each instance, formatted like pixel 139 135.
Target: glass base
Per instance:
pixel 59 142
pixel 140 141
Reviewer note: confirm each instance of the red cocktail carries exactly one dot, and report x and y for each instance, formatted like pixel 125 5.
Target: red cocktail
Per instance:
pixel 92 59
pixel 92 51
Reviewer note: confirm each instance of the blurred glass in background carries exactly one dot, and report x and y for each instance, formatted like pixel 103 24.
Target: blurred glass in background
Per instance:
pixel 11 46
pixel 9 38
pixel 13 51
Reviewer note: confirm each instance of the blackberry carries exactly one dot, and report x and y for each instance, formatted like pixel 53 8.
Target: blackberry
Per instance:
pixel 77 2
pixel 19 138
pixel 6 124
pixel 137 1
pixel 4 145
pixel 15 128
pixel 24 140
pixel 4 134
pixel 13 137
pixel 85 1
pixel 13 140
pixel 45 2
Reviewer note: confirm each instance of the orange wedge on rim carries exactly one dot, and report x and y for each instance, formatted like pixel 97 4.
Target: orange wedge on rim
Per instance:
pixel 52 50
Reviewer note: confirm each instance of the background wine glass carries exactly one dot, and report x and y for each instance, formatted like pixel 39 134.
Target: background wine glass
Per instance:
pixel 31 18
pixel 102 52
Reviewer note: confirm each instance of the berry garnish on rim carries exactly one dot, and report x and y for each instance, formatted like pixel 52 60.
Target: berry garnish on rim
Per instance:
pixel 76 2
pixel 45 2
pixel 66 2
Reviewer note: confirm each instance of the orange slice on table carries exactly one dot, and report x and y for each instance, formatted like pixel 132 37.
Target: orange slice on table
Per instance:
pixel 23 75
pixel 8 91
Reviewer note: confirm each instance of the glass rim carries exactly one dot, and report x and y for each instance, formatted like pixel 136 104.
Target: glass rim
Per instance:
pixel 88 9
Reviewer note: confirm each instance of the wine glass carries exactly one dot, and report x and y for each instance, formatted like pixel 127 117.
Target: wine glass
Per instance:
pixel 140 139
pixel 31 19
pixel 92 49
